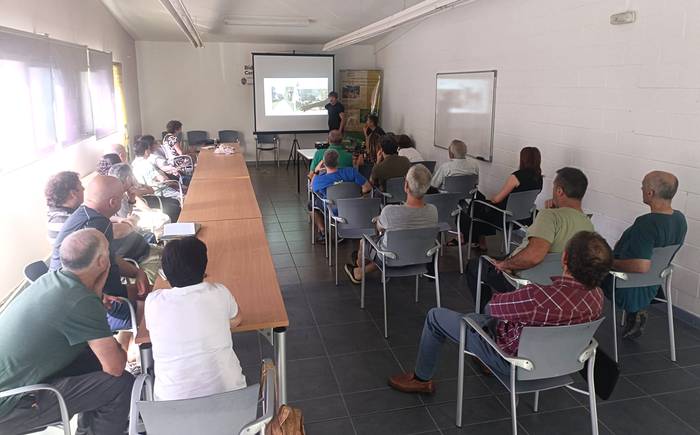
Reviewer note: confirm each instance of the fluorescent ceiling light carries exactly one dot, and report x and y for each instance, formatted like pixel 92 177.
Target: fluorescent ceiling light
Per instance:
pixel 184 21
pixel 415 12
pixel 254 20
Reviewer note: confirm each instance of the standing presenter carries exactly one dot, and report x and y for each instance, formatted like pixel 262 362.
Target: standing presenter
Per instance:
pixel 336 113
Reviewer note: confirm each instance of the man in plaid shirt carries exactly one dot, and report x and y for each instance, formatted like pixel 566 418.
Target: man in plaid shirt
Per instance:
pixel 573 298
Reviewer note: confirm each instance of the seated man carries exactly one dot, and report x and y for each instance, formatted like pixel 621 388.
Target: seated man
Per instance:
pixel 64 193
pixel 190 328
pixel 148 174
pixel 180 171
pixel 459 164
pixel 56 332
pixel 107 161
pixel 549 233
pixel 118 149
pixel 415 213
pixel 333 175
pixel 662 226
pixel 389 163
pixel 335 140
pixel 571 299
pixel 103 198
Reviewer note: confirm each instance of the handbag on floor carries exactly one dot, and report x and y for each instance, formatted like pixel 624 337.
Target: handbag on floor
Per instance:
pixel 287 420
pixel 606 372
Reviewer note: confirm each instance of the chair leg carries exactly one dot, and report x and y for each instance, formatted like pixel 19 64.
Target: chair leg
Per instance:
pixel 505 235
pixel 614 320
pixel 442 243
pixel 313 223
pixel 469 243
pixel 459 243
pixel 416 288
pixel 477 308
pixel 460 371
pixel 362 269
pixel 437 282
pixel 623 318
pixel 591 395
pixel 513 401
pixel 386 328
pixel 335 226
pixel 669 308
pixel 536 405
pixel 510 236
pixel 257 158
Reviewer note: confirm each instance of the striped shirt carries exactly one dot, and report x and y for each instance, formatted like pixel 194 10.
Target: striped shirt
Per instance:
pixel 56 217
pixel 564 302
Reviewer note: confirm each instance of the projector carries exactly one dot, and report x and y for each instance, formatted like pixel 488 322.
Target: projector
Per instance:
pixel 321 145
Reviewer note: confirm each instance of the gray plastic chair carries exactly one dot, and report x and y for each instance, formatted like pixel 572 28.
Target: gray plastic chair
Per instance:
pixel 407 253
pixel 547 357
pixel 267 142
pixel 334 193
pixel 35 270
pixel 232 412
pixel 519 206
pixel 228 136
pixel 197 138
pixel 394 193
pixel 448 208
pixel 184 161
pixel 63 409
pixel 430 164
pixel 354 220
pixel 659 274
pixel 465 184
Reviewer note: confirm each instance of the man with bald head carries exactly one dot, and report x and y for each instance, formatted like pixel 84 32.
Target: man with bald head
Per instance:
pixel 335 140
pixel 103 198
pixel 662 226
pixel 56 332
pixel 118 149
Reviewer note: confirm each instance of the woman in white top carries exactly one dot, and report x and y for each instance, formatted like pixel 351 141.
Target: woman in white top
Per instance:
pixel 190 328
pixel 407 149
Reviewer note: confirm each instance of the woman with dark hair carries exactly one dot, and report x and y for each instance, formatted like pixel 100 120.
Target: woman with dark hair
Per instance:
pixel 527 177
pixel 408 149
pixel 106 162
pixel 64 193
pixel 173 137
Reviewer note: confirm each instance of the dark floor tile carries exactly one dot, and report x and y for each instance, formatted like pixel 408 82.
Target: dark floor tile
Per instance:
pixel 386 399
pixel 405 421
pixel 694 370
pixel 282 261
pixel 364 371
pixel 319 272
pixel 310 378
pixel 666 381
pixel 352 337
pixel 247 348
pixel 278 247
pixel 404 330
pixel 641 416
pixel 684 404
pixel 686 357
pixel 319 291
pixel 287 276
pixel 306 246
pixel 324 408
pixel 292 291
pixel 446 390
pixel 296 226
pixel 293 217
pixel 297 236
pixel 473 411
pixel 304 343
pixel 251 373
pixel 645 362
pixel 272 228
pixel 338 311
pixel 270 219
pixel 447 363
pixel 569 421
pixel 336 427
pixel 550 400
pixel 490 428
pixel 304 259
pixel 299 313
pixel 275 237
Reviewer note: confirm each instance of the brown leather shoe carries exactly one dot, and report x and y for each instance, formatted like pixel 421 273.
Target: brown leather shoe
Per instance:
pixel 407 383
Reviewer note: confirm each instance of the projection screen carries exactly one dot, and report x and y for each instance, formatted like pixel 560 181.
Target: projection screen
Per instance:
pixel 290 92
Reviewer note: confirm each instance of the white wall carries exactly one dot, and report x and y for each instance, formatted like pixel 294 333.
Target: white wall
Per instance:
pixel 202 88
pixel 23 223
pixel 615 101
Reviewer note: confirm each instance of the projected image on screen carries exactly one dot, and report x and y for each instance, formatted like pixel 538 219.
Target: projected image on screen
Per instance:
pixel 295 96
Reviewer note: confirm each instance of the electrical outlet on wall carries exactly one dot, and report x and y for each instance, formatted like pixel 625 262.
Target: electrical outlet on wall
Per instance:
pixel 627 17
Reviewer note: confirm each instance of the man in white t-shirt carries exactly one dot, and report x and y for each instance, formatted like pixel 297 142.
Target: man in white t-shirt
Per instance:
pixel 459 164
pixel 190 328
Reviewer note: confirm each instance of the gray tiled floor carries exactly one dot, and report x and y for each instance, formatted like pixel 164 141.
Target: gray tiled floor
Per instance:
pixel 339 361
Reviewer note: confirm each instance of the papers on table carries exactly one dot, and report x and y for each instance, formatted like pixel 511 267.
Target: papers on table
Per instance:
pixel 179 230
pixel 225 150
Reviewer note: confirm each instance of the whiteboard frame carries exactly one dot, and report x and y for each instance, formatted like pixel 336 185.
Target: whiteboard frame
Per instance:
pixel 493 110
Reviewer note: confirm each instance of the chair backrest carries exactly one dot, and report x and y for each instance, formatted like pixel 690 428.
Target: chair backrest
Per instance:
pixel 358 212
pixel 446 204
pixel 554 350
pixel 541 274
pixel 35 270
pixel 661 259
pixel 521 204
pixel 167 153
pixel 394 187
pixel 197 137
pixel 461 183
pixel 343 190
pixel 219 414
pixel 226 136
pixel 410 246
pixel 266 138
pixel 430 164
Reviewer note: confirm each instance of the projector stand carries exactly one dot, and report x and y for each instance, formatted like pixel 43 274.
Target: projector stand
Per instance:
pixel 293 152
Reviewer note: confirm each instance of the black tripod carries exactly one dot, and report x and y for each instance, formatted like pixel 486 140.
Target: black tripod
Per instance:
pixel 293 151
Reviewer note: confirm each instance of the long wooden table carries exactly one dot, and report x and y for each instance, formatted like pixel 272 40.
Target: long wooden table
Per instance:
pixel 221 199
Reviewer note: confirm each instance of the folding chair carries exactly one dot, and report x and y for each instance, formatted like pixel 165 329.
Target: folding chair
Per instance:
pixel 465 184
pixel 519 206
pixel 333 193
pixel 547 357
pixel 430 164
pixel 394 193
pixel 183 161
pixel 448 208
pixel 232 412
pixel 228 136
pixel 659 274
pixel 35 270
pixel 197 138
pixel 407 253
pixel 267 142
pixel 354 220
pixel 65 416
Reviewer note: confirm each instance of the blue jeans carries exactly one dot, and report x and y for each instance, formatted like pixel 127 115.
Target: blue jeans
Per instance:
pixel 442 323
pixel 119 317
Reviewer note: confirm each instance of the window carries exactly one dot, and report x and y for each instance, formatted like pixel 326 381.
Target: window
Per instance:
pixel 102 93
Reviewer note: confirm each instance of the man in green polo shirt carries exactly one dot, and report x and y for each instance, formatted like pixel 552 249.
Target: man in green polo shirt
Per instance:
pixel 335 139
pixel 56 332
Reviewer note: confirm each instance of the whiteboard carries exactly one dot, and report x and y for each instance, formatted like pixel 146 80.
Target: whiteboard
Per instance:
pixel 465 104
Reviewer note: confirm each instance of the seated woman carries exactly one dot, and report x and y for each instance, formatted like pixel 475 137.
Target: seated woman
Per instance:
pixel 527 177
pixel 190 328
pixel 408 149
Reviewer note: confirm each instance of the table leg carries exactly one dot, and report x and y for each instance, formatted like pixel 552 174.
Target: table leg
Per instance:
pixel 280 337
pixel 298 182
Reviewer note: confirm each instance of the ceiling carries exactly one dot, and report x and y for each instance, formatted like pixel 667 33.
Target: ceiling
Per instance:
pixel 148 20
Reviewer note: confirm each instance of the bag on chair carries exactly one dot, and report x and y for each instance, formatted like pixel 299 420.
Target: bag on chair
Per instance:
pixel 606 372
pixel 287 420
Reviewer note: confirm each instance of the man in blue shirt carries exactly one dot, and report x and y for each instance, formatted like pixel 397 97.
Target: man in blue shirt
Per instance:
pixel 332 176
